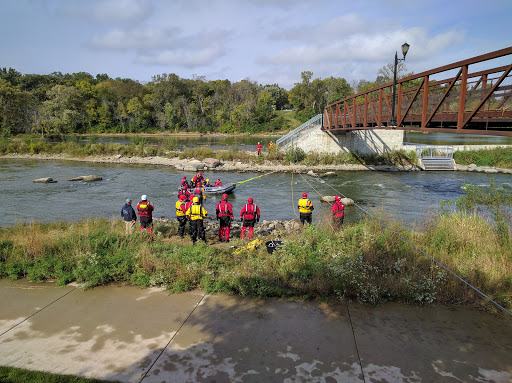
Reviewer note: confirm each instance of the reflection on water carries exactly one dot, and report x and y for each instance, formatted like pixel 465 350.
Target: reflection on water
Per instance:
pixel 404 196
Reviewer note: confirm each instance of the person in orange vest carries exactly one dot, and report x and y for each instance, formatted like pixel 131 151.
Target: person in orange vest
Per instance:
pixel 180 214
pixel 305 209
pixel 146 215
pixel 250 214
pixel 196 213
pixel 218 182
pixel 224 212
pixel 337 212
pixel 258 149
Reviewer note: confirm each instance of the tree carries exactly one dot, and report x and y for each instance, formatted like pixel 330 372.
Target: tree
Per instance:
pixel 63 109
pixel 16 109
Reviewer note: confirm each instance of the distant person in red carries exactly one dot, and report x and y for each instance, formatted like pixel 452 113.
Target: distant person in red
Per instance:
pixel 259 147
pixel 224 212
pixel 146 215
pixel 338 212
pixel 250 214
pixel 218 183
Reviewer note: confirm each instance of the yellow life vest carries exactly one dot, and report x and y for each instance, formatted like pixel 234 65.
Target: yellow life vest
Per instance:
pixel 196 212
pixel 305 205
pixel 179 210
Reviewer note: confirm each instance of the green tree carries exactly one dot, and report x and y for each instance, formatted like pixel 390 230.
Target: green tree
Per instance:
pixel 63 109
pixel 16 109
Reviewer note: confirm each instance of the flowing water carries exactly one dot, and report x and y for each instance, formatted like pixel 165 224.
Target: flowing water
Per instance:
pixel 404 196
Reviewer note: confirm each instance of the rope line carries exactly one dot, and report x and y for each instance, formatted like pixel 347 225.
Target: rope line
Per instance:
pixel 253 178
pixel 417 248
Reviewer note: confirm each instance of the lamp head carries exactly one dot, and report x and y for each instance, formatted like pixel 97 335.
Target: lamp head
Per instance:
pixel 405 49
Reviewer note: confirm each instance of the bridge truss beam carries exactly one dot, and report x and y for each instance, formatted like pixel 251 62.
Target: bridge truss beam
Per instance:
pixel 469 103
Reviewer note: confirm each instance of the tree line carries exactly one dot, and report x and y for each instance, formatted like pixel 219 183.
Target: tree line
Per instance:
pixel 57 104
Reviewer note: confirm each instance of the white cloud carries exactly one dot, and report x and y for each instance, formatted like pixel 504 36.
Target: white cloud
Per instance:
pixel 181 57
pixel 123 11
pixel 146 38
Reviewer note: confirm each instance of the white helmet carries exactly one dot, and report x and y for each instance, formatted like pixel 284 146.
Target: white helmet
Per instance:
pixel 144 197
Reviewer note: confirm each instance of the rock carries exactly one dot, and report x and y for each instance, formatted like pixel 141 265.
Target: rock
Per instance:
pixel 471 167
pixel 327 198
pixel 312 173
pixel 119 156
pixel 92 178
pixel 46 180
pixel 76 178
pixel 328 174
pixel 490 170
pixel 330 199
pixel 211 162
pixel 461 168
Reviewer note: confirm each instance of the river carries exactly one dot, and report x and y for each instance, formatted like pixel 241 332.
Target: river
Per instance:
pixel 404 196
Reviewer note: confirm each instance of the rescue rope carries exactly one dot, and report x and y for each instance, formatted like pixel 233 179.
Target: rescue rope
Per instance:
pixel 416 247
pixel 253 178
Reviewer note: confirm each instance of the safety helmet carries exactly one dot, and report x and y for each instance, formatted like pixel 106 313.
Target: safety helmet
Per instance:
pixel 250 200
pixel 184 178
pixel 224 196
pixel 183 196
pixel 207 180
pixel 304 195
pixel 144 197
pixel 337 198
pixel 195 199
pixel 200 173
pixel 218 179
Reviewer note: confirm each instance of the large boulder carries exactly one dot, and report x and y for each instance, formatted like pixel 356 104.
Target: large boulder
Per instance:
pixel 89 178
pixel 193 166
pixel 331 199
pixel 328 174
pixel 47 180
pixel 211 162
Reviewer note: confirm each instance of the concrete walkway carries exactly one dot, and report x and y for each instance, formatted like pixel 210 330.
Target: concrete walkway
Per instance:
pixel 133 335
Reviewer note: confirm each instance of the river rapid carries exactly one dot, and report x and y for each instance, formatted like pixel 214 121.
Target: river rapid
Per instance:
pixel 403 196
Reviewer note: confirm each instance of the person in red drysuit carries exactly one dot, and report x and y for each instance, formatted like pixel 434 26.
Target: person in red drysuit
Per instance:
pixel 259 147
pixel 146 215
pixel 338 212
pixel 250 214
pixel 224 212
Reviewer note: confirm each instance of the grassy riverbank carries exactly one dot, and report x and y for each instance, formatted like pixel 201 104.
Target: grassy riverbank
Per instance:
pixel 500 157
pixel 363 261
pixel 139 147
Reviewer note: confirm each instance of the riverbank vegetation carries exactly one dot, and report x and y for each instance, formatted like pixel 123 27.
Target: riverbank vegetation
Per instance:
pixel 168 147
pixel 500 157
pixel 363 262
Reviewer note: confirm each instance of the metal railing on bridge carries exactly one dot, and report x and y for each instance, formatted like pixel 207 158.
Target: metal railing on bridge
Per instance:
pixel 306 127
pixel 473 103
pixel 435 157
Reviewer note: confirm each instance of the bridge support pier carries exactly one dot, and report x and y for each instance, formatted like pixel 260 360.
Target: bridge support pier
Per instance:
pixel 361 141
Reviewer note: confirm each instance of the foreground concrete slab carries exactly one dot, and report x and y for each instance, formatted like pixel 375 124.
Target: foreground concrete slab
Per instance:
pixel 229 339
pixel 21 299
pixel 401 343
pixel 112 333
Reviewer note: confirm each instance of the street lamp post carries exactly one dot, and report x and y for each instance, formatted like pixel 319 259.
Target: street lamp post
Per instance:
pixel 405 49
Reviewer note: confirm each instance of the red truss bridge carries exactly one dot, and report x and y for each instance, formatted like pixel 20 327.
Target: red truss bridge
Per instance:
pixel 467 103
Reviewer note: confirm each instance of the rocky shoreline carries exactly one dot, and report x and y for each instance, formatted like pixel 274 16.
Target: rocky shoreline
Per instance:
pixel 238 166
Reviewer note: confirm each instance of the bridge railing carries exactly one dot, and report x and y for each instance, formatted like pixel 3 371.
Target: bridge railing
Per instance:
pixel 312 123
pixel 428 152
pixel 475 103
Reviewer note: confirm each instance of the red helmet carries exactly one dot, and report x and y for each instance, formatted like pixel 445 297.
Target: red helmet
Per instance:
pixel 184 178
pixel 224 196
pixel 200 173
pixel 250 200
pixel 218 179
pixel 337 198
pixel 304 195
pixel 183 196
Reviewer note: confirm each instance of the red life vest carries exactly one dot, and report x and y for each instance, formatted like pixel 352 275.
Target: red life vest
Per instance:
pixel 224 209
pixel 145 209
pixel 248 211
pixel 338 210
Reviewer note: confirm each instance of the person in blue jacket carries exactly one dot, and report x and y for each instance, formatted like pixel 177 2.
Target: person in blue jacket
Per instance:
pixel 129 216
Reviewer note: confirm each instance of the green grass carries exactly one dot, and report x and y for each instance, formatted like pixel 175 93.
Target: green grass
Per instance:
pixel 362 262
pixel 17 375
pixel 500 157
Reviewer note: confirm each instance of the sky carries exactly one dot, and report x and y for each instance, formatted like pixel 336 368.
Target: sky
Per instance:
pixel 265 41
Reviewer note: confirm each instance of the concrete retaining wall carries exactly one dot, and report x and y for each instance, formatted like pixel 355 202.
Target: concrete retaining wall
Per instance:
pixel 361 141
